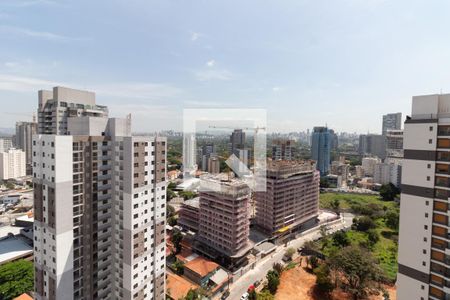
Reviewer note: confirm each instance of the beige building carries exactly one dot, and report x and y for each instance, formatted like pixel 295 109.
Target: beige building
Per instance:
pixel 423 254
pixel 224 226
pixel 291 201
pixel 214 165
pixel 99 203
pixel 12 164
pixel 368 165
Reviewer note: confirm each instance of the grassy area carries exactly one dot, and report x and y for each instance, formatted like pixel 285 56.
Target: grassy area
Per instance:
pixel 385 250
pixel 347 200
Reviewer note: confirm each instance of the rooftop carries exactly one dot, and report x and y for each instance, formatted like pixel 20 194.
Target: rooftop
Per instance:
pixel 24 297
pixel 195 202
pixel 12 249
pixel 201 266
pixel 177 287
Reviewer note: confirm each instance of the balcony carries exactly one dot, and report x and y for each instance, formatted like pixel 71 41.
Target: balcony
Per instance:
pixel 444 130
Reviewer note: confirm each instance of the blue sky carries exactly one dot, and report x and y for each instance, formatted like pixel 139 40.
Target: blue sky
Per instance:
pixel 339 62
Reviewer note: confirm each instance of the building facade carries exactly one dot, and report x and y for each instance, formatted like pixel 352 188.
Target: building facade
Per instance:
pixel 224 226
pixel 23 140
pixel 291 199
pixel 321 149
pixel 368 165
pixel 283 150
pixel 12 164
pixel 99 208
pixel 423 271
pixel 392 122
pixel 372 144
pixel 5 144
pixel 394 155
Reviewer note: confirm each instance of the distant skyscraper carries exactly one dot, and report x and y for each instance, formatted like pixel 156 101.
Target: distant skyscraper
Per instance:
pixel 99 203
pixel 394 155
pixel 334 143
pixel 5 144
pixel 12 164
pixel 207 151
pixel 282 150
pixel 238 148
pixel 189 154
pixel 372 144
pixel 392 122
pixel 213 165
pixel 23 140
pixel 321 148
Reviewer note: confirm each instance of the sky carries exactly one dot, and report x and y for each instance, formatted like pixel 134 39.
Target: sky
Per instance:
pixel 343 63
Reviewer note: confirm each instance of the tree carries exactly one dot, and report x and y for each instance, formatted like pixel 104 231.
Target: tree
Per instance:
pixel 187 195
pixel 16 278
pixel 176 239
pixel 278 267
pixel 178 266
pixel 363 223
pixel 171 185
pixel 335 206
pixel 191 295
pixel 313 261
pixel 388 192
pixel 392 219
pixel 265 295
pixel 273 280
pixel 252 294
pixel 340 239
pixel 289 253
pixel 324 183
pixel 373 236
pixel 323 280
pixel 170 211
pixel 172 221
pixel 10 186
pixel 170 194
pixel 358 270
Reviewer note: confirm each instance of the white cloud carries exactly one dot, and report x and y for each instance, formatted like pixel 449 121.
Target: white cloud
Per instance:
pixel 206 75
pixel 136 90
pixel 195 36
pixel 276 89
pixel 210 63
pixel 38 34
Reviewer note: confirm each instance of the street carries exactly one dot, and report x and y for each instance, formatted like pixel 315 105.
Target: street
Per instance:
pixel 259 272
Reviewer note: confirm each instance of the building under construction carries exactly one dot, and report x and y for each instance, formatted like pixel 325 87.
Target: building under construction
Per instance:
pixel 291 200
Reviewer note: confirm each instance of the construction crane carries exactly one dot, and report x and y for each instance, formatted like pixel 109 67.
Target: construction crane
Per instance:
pixel 256 129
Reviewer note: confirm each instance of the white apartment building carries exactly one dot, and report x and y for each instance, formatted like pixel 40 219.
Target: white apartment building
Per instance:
pixel 12 164
pixel 382 173
pixel 368 165
pixel 423 260
pixel 99 206
pixel 5 144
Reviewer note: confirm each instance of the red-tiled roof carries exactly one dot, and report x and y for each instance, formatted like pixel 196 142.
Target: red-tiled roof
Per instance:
pixel 201 266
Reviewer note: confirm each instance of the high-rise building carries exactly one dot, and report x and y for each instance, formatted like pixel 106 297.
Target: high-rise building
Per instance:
pixel 283 150
pixel 23 139
pixel 213 165
pixel 291 200
pixel 321 148
pixel 423 256
pixel 238 147
pixel 372 144
pixel 207 151
pixel 189 154
pixel 5 144
pixel 392 122
pixel 394 155
pixel 334 142
pixel 382 173
pixel 12 164
pixel 224 226
pixel 99 204
pixel 368 165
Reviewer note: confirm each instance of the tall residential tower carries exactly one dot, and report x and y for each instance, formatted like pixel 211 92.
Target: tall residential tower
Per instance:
pixel 423 270
pixel 99 203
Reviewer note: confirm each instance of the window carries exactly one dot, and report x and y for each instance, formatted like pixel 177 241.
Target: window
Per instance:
pixel 425 227
pixel 430 141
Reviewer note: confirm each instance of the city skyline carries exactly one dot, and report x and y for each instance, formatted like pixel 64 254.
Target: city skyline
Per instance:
pixel 367 60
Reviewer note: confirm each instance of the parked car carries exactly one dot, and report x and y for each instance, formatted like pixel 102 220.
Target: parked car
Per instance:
pixel 257 282
pixel 245 296
pixel 225 295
